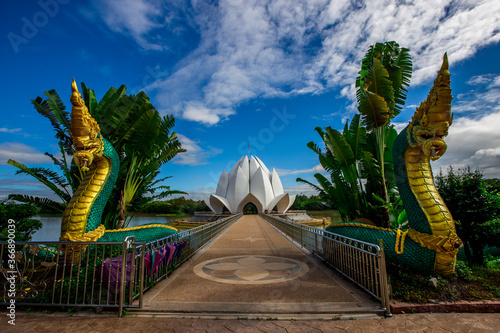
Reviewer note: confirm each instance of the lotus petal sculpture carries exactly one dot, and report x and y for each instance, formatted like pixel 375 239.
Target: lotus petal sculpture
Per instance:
pixel 249 181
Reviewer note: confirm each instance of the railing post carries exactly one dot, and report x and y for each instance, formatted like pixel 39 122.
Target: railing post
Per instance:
pixel 133 269
pixel 127 242
pixel 301 240
pixel 315 242
pixel 384 288
pixel 142 276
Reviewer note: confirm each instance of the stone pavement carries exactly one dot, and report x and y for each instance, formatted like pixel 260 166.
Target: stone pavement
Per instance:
pixel 75 323
pixel 253 269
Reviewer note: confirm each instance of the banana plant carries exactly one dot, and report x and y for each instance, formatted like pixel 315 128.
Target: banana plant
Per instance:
pixel 144 141
pixel 352 170
pixel 381 93
pixel 399 218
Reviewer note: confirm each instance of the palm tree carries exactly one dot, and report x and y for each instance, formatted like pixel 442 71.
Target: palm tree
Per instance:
pixel 143 139
pixel 54 110
pixel 49 178
pixel 146 153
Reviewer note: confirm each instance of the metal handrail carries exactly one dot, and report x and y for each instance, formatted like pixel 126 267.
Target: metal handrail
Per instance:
pixel 196 237
pixel 361 262
pixel 79 273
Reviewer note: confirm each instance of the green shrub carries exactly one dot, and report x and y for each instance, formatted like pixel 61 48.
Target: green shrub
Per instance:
pixel 493 262
pixel 474 210
pixel 21 214
pixel 462 270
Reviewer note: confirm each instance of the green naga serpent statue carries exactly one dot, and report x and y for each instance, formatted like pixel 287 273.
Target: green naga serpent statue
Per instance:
pixel 431 243
pixel 97 157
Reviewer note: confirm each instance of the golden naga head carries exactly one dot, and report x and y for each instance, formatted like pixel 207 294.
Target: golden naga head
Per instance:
pixel 433 117
pixel 85 131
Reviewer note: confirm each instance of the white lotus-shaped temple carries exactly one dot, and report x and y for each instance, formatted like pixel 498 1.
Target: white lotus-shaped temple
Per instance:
pixel 249 182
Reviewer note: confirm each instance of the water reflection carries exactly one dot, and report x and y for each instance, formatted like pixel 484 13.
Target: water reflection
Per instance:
pixel 332 215
pixel 51 229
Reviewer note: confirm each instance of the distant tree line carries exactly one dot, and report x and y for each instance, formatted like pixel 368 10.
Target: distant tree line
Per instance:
pixel 312 202
pixel 24 226
pixel 175 206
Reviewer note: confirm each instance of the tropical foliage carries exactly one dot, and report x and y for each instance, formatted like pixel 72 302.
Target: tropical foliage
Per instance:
pixel 352 168
pixel 25 225
pixel 381 93
pixel 143 139
pixel 493 185
pixel 475 210
pixel 384 76
pixel 359 160
pixel 313 202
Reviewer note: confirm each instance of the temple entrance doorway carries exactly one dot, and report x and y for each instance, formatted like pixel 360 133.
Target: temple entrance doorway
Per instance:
pixel 250 208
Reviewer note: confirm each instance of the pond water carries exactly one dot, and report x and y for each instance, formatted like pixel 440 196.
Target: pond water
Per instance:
pixel 51 229
pixel 331 215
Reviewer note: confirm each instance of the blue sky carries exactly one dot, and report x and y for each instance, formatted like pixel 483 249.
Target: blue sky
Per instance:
pixel 238 71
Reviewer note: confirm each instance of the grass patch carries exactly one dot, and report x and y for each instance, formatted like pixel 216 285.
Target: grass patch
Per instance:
pixel 479 283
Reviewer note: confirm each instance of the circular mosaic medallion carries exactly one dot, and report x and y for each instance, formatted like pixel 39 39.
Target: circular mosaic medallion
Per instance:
pixel 251 269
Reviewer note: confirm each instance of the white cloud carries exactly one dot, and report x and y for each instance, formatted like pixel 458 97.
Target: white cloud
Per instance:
pixel 195 154
pixel 398 126
pixel 21 153
pixel 10 130
pixel 428 28
pixel 481 79
pixel 197 194
pixel 485 99
pixel 317 168
pixel 136 18
pixel 473 142
pixel 278 48
pixel 301 189
pixel 25 185
pixel 195 111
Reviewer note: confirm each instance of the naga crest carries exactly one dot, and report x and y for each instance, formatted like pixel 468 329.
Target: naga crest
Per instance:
pixel 433 117
pixel 85 132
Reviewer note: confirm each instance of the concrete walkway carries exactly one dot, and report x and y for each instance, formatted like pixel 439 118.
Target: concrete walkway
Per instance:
pixel 251 269
pixel 250 277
